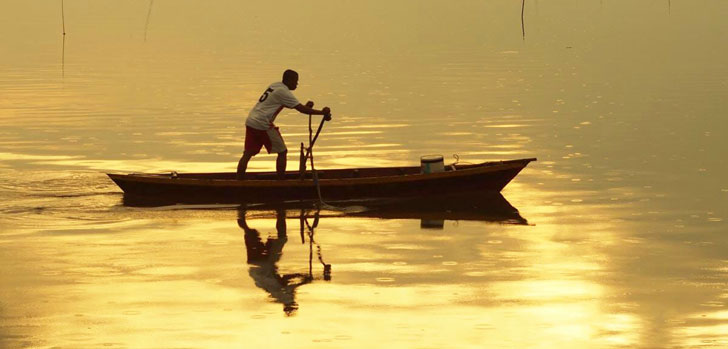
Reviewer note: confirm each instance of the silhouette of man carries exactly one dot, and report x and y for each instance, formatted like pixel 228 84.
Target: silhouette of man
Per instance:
pixel 260 131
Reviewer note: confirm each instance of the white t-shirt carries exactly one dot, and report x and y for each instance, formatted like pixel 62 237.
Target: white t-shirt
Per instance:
pixel 275 97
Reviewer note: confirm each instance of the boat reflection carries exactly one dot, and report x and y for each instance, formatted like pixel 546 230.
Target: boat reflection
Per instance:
pixel 491 207
pixel 487 208
pixel 263 258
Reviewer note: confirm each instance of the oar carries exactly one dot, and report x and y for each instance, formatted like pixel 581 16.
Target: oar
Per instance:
pixel 309 155
pixel 312 141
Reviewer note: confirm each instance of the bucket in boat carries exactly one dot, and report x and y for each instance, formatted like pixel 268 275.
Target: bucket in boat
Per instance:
pixel 432 164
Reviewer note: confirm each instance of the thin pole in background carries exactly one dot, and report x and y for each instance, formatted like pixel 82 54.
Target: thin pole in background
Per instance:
pixel 523 26
pixel 63 19
pixel 149 14
pixel 63 44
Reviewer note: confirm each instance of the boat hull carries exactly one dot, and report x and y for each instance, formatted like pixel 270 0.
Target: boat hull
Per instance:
pixel 336 185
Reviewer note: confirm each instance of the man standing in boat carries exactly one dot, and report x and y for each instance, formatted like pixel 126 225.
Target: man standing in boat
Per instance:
pixel 259 128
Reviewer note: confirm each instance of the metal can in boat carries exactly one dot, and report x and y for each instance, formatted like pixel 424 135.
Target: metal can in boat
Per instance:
pixel 432 164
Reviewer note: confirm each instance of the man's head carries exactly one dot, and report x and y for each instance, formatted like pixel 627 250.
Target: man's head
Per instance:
pixel 290 79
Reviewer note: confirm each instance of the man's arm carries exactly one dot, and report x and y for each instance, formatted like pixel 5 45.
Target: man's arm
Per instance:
pixel 308 109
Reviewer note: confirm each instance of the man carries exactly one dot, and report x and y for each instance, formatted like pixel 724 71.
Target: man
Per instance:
pixel 259 128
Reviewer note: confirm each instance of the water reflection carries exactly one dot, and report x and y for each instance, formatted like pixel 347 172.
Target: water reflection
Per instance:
pixel 491 207
pixel 264 250
pixel 263 258
pixel 484 207
pixel 63 56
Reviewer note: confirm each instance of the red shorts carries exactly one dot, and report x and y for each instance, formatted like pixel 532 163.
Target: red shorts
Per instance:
pixel 271 139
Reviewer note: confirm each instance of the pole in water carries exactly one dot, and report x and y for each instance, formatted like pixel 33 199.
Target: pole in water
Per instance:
pixel 149 14
pixel 523 26
pixel 63 19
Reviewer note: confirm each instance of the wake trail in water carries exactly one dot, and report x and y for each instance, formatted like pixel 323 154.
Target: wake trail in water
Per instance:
pixel 52 193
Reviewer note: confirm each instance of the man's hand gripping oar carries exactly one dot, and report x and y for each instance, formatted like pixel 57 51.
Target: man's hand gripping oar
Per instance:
pixel 311 141
pixel 309 150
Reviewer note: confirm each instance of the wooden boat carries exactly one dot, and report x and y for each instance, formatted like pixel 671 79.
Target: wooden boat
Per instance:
pixel 335 184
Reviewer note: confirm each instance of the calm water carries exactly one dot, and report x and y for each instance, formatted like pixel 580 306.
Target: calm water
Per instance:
pixel 621 239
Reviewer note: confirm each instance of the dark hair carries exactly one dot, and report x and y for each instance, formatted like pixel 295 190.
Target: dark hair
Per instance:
pixel 289 74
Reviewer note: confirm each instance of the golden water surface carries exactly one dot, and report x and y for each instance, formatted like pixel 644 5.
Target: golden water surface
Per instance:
pixel 620 236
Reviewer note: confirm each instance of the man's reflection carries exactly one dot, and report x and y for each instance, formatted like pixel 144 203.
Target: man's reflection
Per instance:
pixel 263 259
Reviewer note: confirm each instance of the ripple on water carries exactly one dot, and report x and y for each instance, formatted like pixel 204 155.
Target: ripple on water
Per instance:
pixel 168 271
pixel 37 198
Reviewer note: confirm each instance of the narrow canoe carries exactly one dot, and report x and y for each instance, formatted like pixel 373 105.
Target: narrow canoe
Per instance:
pixel 336 184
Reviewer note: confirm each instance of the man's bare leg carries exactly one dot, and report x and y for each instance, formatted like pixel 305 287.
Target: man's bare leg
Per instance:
pixel 243 165
pixel 281 163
